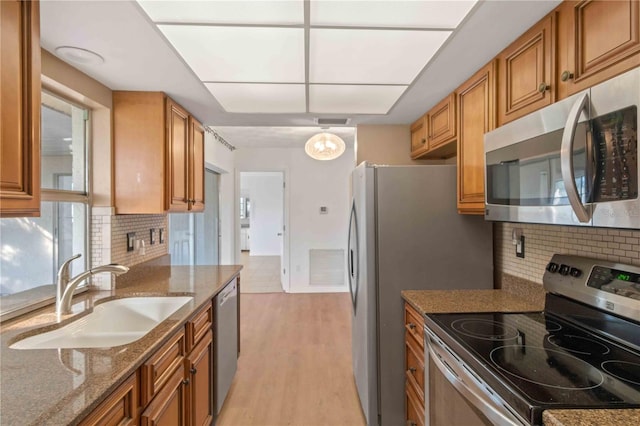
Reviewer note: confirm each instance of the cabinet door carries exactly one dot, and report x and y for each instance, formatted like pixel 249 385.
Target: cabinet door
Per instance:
pixel 414 409
pixel 168 408
pixel 604 41
pixel 19 108
pixel 196 165
pixel 178 157
pixel 526 79
pixel 419 137
pixel 476 116
pixel 199 375
pixel 441 124
pixel 120 408
pixel 158 369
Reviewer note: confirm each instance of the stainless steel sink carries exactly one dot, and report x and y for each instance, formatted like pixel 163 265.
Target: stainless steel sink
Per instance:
pixel 112 323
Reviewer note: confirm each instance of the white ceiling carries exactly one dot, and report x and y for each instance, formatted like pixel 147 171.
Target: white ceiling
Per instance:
pixel 138 56
pixel 278 137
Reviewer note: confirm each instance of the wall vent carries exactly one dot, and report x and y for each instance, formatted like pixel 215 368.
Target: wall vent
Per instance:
pixel 326 267
pixel 332 121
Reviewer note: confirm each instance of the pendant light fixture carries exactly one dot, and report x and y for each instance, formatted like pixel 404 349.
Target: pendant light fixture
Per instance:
pixel 324 146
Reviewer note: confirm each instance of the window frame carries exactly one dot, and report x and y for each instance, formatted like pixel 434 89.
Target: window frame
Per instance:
pixel 66 196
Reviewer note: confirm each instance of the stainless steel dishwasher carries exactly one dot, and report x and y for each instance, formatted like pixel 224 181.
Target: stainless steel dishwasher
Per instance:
pixel 226 336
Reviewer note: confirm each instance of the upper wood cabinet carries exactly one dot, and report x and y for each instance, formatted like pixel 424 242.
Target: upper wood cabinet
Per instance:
pixel 19 108
pixel 419 137
pixel 526 77
pixel 599 39
pixel 476 116
pixel 158 155
pixel 441 125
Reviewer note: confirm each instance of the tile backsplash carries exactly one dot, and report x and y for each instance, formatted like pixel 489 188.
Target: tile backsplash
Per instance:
pixel 542 241
pixel 140 224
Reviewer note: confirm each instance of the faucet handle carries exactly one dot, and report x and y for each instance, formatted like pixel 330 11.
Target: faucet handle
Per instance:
pixel 63 272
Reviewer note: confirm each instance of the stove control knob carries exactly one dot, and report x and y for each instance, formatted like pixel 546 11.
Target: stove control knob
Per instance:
pixel 552 267
pixel 575 272
pixel 564 269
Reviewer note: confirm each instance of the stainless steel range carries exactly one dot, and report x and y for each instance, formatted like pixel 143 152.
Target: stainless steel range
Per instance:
pixel 583 351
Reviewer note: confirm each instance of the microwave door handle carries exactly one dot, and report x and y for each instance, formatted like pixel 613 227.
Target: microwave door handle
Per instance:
pixel 566 159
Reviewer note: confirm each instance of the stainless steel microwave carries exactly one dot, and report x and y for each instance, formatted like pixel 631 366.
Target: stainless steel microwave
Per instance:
pixel 574 162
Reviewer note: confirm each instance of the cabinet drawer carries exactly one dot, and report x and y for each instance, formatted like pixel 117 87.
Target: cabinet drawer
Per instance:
pixel 120 408
pixel 160 367
pixel 413 407
pixel 414 358
pixel 414 325
pixel 169 406
pixel 198 326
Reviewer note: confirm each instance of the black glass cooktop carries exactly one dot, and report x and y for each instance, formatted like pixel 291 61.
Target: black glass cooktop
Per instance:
pixel 538 361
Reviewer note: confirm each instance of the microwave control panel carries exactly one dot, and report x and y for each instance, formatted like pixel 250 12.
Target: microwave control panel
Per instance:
pixel 615 145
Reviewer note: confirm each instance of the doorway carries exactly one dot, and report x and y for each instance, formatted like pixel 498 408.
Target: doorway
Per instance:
pixel 195 237
pixel 262 231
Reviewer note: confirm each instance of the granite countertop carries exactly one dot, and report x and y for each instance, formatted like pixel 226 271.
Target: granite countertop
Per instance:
pixel 520 299
pixel 61 386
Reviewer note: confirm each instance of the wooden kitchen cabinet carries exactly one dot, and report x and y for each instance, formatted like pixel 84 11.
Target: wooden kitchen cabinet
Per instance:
pixel 441 128
pixel 476 116
pixel 599 39
pixel 120 408
pixel 526 77
pixel 169 407
pixel 159 369
pixel 158 155
pixel 199 379
pixel 419 144
pixel 414 367
pixel 19 108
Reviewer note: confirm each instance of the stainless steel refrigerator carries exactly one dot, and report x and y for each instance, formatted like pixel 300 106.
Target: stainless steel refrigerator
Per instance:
pixel 404 233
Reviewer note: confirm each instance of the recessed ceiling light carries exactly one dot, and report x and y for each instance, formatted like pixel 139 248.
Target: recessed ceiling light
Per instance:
pixel 79 55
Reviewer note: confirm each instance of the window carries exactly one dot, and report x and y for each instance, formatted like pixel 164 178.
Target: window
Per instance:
pixel 32 249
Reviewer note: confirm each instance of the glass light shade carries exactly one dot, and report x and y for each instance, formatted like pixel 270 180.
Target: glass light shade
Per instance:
pixel 324 146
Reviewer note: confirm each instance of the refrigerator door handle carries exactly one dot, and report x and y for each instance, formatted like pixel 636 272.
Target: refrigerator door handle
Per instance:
pixel 353 268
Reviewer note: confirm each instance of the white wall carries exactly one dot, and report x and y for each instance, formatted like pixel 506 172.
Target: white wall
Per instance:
pixel 310 185
pixel 220 159
pixel 266 217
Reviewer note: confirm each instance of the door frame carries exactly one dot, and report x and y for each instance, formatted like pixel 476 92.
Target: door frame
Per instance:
pixel 285 261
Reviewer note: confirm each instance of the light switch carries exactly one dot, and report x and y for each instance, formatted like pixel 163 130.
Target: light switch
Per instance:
pixel 152 236
pixel 131 238
pixel 161 231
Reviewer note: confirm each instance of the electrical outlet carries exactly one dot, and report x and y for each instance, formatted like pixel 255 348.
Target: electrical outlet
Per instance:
pixel 161 230
pixel 131 239
pixel 520 247
pixel 152 236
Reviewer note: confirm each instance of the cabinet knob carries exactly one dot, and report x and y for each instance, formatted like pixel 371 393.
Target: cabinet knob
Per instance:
pixel 186 381
pixel 423 141
pixel 412 326
pixel 567 75
pixel 193 370
pixel 543 87
pixel 412 369
pixel 411 423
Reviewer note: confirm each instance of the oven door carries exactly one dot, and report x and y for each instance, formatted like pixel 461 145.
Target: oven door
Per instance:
pixel 455 395
pixel 538 167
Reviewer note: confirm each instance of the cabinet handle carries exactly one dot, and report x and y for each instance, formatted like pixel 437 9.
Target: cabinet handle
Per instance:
pixel 193 370
pixel 567 75
pixel 412 326
pixel 423 141
pixel 186 381
pixel 543 87
pixel 412 370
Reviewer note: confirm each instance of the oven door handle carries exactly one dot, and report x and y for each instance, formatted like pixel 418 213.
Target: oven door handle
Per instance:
pixel 495 413
pixel 566 159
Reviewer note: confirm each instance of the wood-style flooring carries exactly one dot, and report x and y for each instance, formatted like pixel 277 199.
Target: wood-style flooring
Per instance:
pixel 295 363
pixel 260 274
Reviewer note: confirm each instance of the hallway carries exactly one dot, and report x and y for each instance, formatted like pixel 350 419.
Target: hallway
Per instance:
pixel 295 363
pixel 261 274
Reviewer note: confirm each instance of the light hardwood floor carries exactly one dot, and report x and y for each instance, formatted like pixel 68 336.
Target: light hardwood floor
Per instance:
pixel 295 363
pixel 261 274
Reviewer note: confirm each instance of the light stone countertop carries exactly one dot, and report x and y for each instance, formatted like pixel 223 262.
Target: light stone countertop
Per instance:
pixel 62 386
pixel 453 301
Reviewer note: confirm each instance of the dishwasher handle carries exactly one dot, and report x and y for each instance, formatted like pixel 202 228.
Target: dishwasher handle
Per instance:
pixel 491 409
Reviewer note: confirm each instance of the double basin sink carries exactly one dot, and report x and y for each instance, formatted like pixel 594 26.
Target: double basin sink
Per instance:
pixel 113 323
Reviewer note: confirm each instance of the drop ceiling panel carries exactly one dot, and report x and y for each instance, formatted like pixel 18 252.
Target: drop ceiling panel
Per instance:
pixel 403 14
pixel 352 99
pixel 259 98
pixel 290 12
pixel 243 54
pixel 370 56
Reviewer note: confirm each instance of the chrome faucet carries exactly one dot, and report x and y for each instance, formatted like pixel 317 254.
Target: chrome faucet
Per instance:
pixel 66 286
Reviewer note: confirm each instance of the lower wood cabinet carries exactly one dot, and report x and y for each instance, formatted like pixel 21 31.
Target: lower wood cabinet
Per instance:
pixel 414 367
pixel 199 380
pixel 168 408
pixel 121 408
